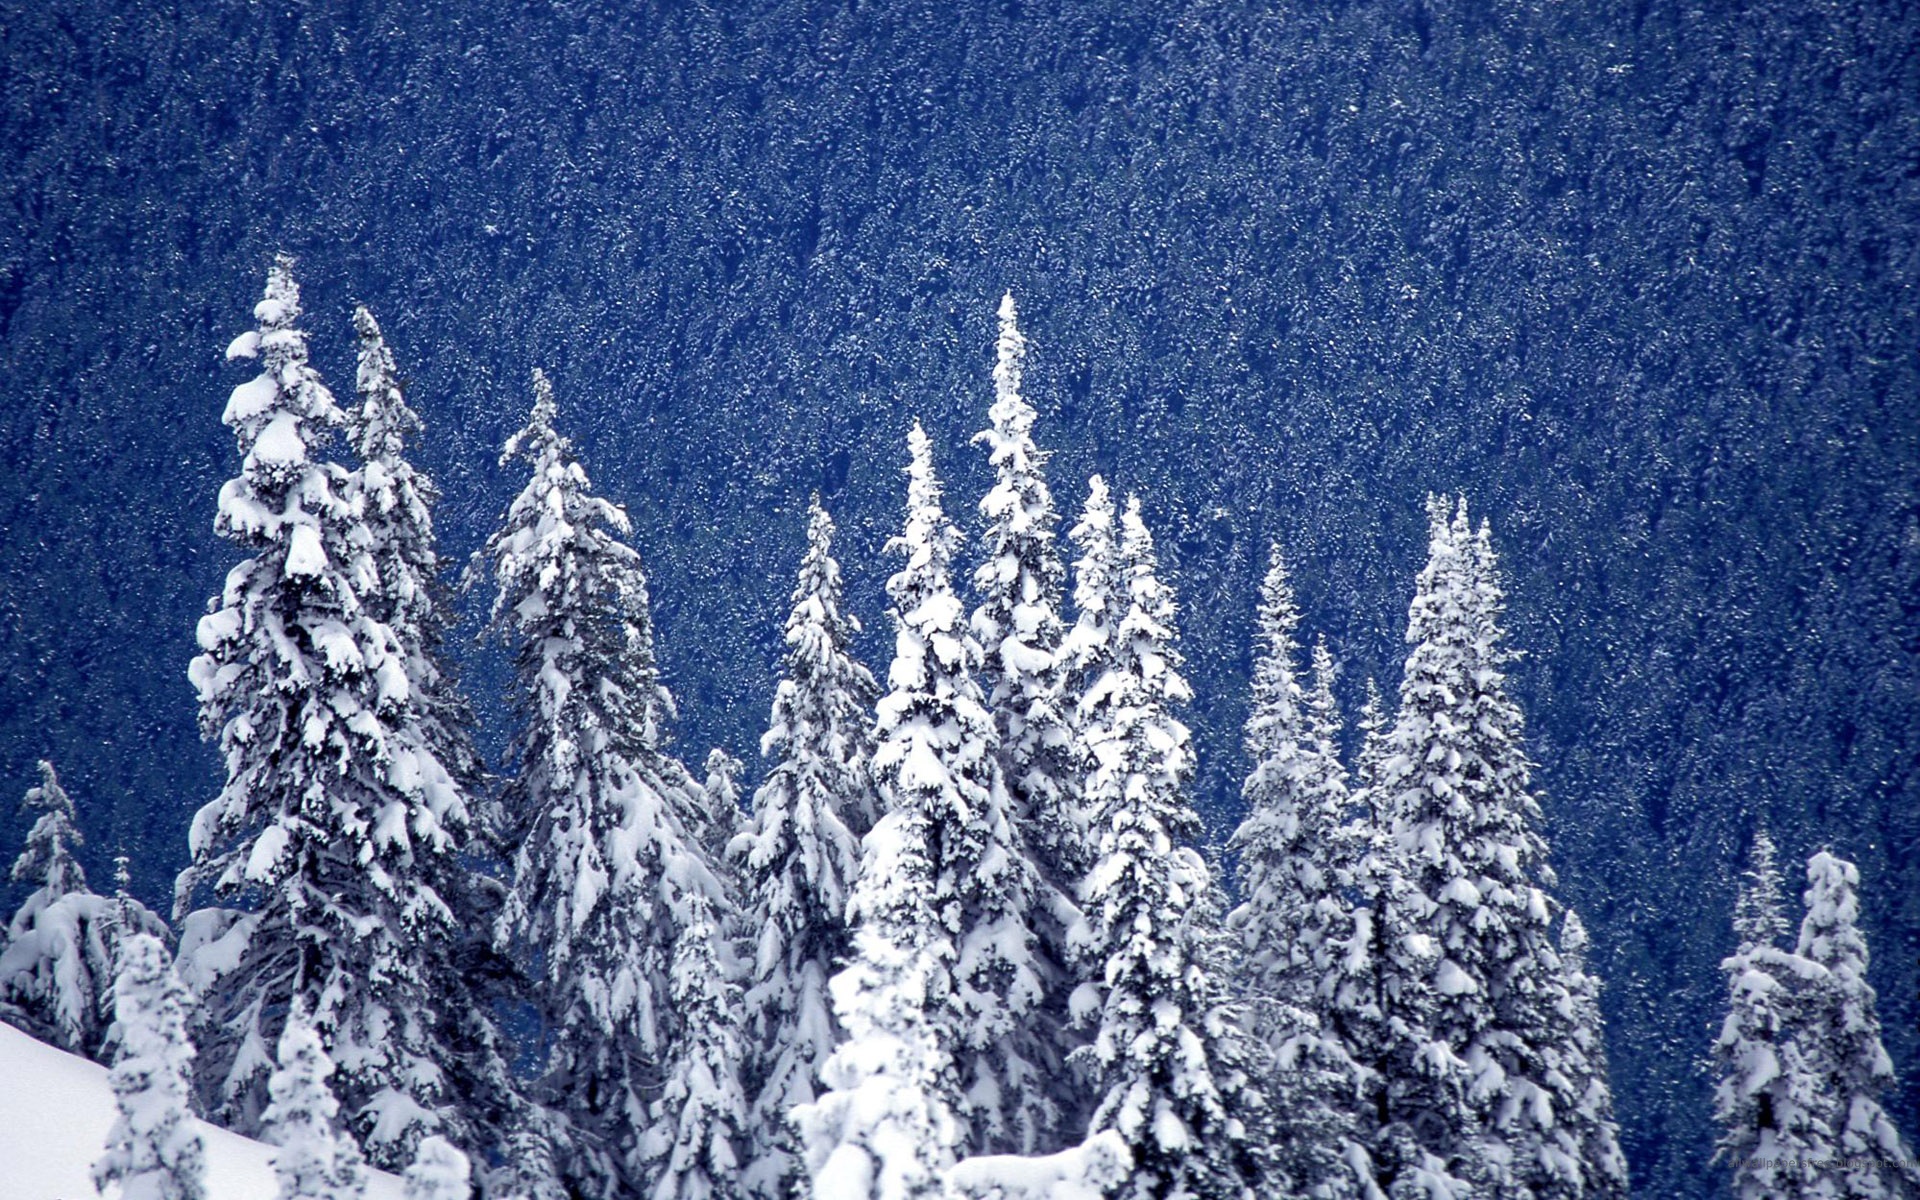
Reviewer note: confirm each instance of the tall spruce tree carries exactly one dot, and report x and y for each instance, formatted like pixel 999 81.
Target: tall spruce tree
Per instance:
pixel 1169 1063
pixel 1018 625
pixel 1840 1037
pixel 935 751
pixel 154 1151
pixel 1294 924
pixel 801 856
pixel 337 821
pixel 396 500
pixel 1773 1121
pixel 600 813
pixel 56 965
pixel 1474 1073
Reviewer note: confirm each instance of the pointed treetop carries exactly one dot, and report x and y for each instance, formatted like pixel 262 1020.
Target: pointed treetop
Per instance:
pixel 1010 358
pixel 47 858
pixel 1276 696
pixel 384 421
pixel 1323 710
pixel 536 440
pixel 1757 917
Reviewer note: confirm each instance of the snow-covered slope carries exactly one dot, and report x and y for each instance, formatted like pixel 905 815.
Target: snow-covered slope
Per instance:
pixel 55 1109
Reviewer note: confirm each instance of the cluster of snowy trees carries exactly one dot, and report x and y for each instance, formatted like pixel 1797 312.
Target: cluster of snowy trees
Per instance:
pixel 1801 1064
pixel 965 942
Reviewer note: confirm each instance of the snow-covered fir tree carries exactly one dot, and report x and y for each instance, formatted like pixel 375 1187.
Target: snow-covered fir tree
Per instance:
pixel 1766 1102
pixel 1018 625
pixel 56 968
pixel 700 1124
pixel 315 1161
pixel 1839 1036
pixel 154 1151
pixel 884 1128
pixel 1473 981
pixel 1299 860
pixel 337 823
pixel 439 1171
pixel 1296 796
pixel 1169 1066
pixel 600 813
pixel 935 753
pixel 1591 1119
pixel 800 857
pixel 397 501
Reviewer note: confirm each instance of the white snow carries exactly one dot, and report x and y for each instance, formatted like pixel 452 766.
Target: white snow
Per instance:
pixel 55 1110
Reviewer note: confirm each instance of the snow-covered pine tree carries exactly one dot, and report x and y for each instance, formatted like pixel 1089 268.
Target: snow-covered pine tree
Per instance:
pixel 154 1151
pixel 1018 625
pixel 314 1161
pixel 884 1127
pixel 1293 926
pixel 1296 796
pixel 397 501
pixel 698 1137
pixel 439 1171
pixel 1475 1023
pixel 597 808
pixel 936 753
pixel 1590 1120
pixel 1170 1066
pixel 1774 1129
pixel 1840 1038
pixel 799 859
pixel 337 823
pixel 56 967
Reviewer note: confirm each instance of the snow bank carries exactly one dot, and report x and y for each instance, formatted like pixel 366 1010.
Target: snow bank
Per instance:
pixel 55 1109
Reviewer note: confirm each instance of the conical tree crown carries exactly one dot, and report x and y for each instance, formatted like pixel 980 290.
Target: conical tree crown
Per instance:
pixel 47 858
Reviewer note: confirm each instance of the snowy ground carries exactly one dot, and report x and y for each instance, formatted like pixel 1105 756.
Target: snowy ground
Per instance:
pixel 55 1110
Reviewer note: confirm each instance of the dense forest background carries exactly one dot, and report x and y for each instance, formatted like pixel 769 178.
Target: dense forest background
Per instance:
pixel 1640 277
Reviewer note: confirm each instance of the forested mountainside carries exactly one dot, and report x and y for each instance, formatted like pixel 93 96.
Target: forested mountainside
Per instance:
pixel 1640 277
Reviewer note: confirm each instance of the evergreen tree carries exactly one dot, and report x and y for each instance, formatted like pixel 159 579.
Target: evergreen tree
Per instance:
pixel 1775 1134
pixel 884 1128
pixel 313 1161
pixel 700 1120
pixel 1477 1037
pixel 154 1151
pixel 600 813
pixel 801 856
pixel 1296 800
pixel 1590 1120
pixel 1867 1158
pixel 397 501
pixel 337 823
pixel 1018 625
pixel 1170 1066
pixel 936 753
pixel 1296 872
pixel 438 1172
pixel 56 967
